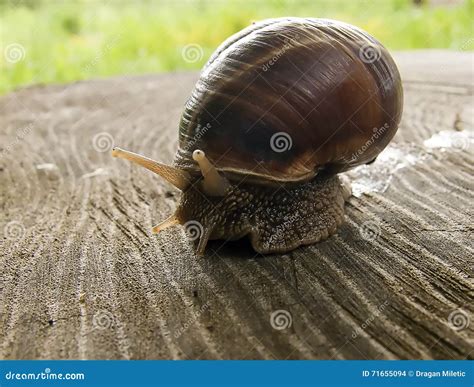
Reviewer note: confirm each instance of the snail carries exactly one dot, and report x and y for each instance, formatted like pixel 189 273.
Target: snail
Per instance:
pixel 280 109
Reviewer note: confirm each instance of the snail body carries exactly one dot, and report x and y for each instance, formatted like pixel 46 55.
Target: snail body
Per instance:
pixel 279 109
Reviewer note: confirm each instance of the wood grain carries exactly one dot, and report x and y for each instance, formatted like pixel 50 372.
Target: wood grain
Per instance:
pixel 82 277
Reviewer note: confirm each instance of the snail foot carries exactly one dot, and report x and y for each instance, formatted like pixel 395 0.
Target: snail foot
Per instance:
pixel 276 218
pixel 303 215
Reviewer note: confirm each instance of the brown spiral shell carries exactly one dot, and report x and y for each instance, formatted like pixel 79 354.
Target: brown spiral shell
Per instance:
pixel 328 91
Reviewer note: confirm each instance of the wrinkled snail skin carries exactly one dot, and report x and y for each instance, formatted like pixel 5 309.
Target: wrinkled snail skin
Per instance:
pixel 276 220
pixel 279 109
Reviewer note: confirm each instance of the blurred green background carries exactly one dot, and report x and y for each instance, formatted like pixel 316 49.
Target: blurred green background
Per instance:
pixel 46 41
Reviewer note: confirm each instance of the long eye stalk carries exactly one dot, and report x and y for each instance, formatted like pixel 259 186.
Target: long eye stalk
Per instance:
pixel 213 184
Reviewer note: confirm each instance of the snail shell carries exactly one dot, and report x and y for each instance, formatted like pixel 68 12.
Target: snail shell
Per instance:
pixel 287 98
pixel 286 102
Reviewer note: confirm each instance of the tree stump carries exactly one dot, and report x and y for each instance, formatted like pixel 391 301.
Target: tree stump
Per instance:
pixel 82 277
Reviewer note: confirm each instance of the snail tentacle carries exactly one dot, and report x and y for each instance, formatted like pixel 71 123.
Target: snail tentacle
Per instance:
pixel 168 222
pixel 177 177
pixel 213 184
pixel 204 238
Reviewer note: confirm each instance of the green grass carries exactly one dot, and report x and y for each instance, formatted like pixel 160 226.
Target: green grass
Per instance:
pixel 65 41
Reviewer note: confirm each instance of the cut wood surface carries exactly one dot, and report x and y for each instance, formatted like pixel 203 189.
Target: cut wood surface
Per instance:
pixel 83 277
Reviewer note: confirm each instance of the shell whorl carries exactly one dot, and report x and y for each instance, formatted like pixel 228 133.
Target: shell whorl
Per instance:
pixel 286 98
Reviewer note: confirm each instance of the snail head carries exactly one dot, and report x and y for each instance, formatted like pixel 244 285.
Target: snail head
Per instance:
pixel 211 184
